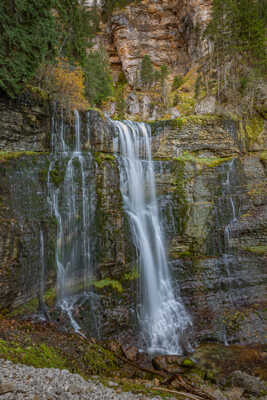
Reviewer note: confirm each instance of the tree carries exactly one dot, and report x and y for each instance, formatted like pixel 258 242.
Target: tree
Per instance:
pixel 27 36
pixel 147 71
pixel 98 79
pixel 77 25
pixel 237 34
pixel 65 85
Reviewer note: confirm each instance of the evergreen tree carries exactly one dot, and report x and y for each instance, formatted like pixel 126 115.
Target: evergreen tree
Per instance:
pixel 77 26
pixel 98 80
pixel 237 35
pixel 147 71
pixel 27 36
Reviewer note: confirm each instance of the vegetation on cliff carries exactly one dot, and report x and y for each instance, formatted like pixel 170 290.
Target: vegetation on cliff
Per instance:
pixel 44 45
pixel 237 55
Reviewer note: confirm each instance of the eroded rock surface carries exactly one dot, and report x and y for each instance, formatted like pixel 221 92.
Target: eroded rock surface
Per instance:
pixel 212 199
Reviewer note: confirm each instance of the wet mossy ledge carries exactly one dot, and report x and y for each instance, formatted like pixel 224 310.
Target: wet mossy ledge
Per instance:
pixel 14 155
pixel 209 162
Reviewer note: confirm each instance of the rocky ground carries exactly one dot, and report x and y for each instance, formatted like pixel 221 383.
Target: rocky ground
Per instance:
pixel 23 382
pixel 40 361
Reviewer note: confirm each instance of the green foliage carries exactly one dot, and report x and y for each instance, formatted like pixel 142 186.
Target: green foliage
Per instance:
pixel 111 5
pixel 175 100
pixel 130 276
pixel 163 73
pixel 108 282
pixel 177 82
pixel 99 360
pixel 237 31
pixel 98 79
pixel 147 71
pixel 27 36
pixel 77 26
pixel 41 356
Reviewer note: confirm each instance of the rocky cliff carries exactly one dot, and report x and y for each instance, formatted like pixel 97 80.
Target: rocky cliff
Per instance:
pixel 167 31
pixel 211 186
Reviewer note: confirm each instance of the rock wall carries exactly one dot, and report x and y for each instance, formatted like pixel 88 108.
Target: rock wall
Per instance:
pixel 212 197
pixel 167 31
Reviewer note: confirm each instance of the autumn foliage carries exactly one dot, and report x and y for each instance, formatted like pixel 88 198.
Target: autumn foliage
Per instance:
pixel 65 85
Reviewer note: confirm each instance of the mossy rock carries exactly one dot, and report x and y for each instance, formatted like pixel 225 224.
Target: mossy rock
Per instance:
pixel 188 363
pixel 39 356
pixel 258 250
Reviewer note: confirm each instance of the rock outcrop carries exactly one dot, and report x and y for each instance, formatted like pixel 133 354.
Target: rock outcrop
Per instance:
pixel 167 31
pixel 212 198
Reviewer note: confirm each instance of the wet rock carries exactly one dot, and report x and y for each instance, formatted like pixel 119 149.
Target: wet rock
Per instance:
pixel 235 393
pixel 250 384
pixel 130 352
pixel 170 364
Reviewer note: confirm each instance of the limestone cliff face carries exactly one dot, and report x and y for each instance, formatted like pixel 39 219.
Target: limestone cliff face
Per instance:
pixel 166 30
pixel 212 197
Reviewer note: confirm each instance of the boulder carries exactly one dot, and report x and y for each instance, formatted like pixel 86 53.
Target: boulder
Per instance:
pixel 206 106
pixel 251 384
pixel 170 364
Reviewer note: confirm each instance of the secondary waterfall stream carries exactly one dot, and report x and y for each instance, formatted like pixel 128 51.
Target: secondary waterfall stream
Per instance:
pixel 162 315
pixel 72 204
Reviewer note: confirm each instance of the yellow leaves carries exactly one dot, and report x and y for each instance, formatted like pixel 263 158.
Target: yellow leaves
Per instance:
pixel 65 84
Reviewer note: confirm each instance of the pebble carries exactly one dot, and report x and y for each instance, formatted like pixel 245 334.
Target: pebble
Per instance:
pixel 21 382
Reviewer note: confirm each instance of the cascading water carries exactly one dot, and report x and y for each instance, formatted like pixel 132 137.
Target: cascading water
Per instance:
pixel 162 315
pixel 73 207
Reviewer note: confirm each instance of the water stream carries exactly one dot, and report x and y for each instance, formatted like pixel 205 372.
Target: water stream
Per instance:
pixel 162 315
pixel 72 204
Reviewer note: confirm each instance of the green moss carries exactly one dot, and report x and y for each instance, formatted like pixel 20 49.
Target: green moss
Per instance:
pixel 56 175
pixel 263 156
pixel 12 155
pixel 100 157
pixel 180 195
pixel 100 360
pixel 233 321
pixel 39 356
pixel 210 162
pixel 27 308
pixel 188 363
pixel 50 297
pixel 43 173
pixel 132 275
pixel 254 128
pixel 108 282
pixel 259 250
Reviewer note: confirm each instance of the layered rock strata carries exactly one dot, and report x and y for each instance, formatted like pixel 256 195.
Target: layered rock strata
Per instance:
pixel 212 198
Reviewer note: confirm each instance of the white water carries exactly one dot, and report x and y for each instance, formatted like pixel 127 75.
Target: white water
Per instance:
pixel 71 205
pixel 162 315
pixel 228 258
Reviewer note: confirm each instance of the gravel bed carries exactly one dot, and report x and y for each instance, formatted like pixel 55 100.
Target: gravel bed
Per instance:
pixel 22 382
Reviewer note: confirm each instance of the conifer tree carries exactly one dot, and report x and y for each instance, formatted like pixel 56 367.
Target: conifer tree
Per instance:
pixel 147 71
pixel 27 36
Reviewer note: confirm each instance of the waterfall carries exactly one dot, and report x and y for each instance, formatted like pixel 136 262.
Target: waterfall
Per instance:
pixel 42 276
pixel 162 315
pixel 73 207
